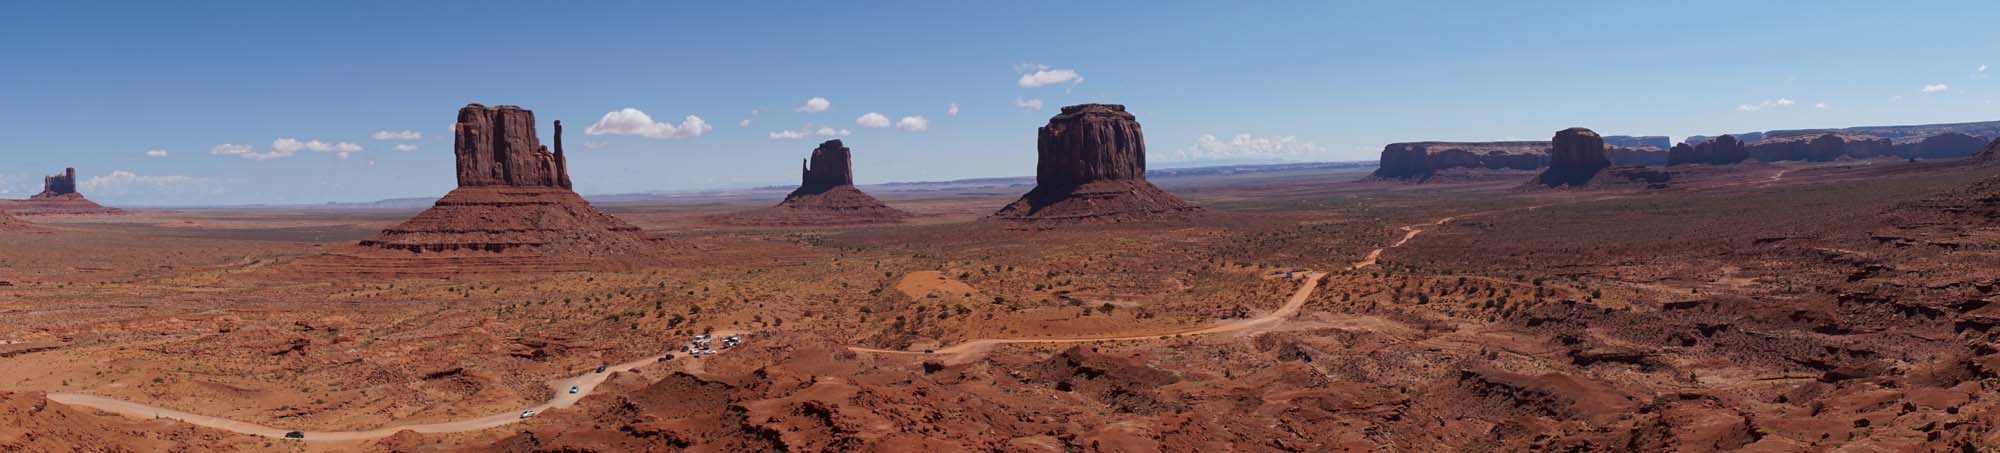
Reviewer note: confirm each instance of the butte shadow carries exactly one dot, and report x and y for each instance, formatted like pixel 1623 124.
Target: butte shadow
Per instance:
pixel 513 211
pixel 826 196
pixel 1091 168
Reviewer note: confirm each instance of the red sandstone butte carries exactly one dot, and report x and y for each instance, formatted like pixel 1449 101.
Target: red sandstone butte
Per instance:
pixel 1091 167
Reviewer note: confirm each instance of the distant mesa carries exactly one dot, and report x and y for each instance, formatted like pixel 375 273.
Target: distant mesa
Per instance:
pixel 1818 147
pixel 826 196
pixel 1579 158
pixel 1419 161
pixel 1719 151
pixel 1950 145
pixel 1091 168
pixel 58 196
pixel 513 210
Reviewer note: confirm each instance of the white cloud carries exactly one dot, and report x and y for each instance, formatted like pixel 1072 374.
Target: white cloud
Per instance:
pixel 1982 68
pixel 631 121
pixel 952 111
pixel 398 135
pixel 289 147
pixel 1028 104
pixel 406 147
pixel 156 153
pixel 248 152
pixel 1246 146
pixel 1767 103
pixel 809 131
pixel 1936 87
pixel 815 105
pixel 913 124
pixel 587 144
pixel 744 123
pixel 872 119
pixel 1896 98
pixel 122 182
pixel 1820 105
pixel 1037 76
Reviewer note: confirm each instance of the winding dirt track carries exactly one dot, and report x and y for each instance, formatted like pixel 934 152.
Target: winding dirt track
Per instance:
pixel 587 383
pixel 584 384
pixel 1290 308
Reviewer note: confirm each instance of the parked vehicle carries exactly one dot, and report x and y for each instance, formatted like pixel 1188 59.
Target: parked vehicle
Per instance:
pixel 295 435
pixel 573 390
pixel 528 413
pixel 600 368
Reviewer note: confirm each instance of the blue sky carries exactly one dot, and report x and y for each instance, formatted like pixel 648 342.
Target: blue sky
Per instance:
pixel 97 85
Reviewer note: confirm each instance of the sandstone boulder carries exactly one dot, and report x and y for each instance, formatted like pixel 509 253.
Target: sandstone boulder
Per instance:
pixel 1091 167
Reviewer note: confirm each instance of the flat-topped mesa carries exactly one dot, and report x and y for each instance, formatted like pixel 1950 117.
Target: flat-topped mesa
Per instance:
pixel 1942 146
pixel 831 165
pixel 1090 142
pixel 1578 158
pixel 1718 151
pixel 58 184
pixel 497 146
pixel 1091 167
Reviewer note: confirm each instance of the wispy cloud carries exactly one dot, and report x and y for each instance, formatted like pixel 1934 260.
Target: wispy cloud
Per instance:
pixel 156 153
pixel 1028 104
pixel 815 105
pixel 1766 104
pixel 872 119
pixel 1037 76
pixel 406 147
pixel 120 183
pixel 952 111
pixel 398 135
pixel 631 121
pixel 913 124
pixel 809 131
pixel 1246 146
pixel 1936 88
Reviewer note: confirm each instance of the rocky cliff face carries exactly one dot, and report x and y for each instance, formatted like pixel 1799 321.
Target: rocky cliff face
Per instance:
pixel 59 184
pixel 497 146
pixel 1949 145
pixel 1087 143
pixel 1719 151
pixel 1818 148
pixel 1578 155
pixel 830 165
pixel 1637 142
pixel 1091 166
pixel 1640 156
pixel 1577 148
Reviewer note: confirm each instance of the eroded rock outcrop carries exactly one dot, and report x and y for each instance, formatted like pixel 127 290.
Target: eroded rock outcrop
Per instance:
pixel 1818 147
pixel 826 196
pixel 1718 151
pixel 58 184
pixel 1949 145
pixel 58 196
pixel 513 211
pixel 1091 167
pixel 1579 158
pixel 1420 160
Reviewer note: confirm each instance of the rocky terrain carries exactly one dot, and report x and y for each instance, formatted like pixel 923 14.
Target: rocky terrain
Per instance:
pixel 1818 147
pixel 826 196
pixel 513 211
pixel 58 196
pixel 1949 145
pixel 1091 167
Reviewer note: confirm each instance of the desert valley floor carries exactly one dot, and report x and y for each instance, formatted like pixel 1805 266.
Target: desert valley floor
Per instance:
pixel 1755 307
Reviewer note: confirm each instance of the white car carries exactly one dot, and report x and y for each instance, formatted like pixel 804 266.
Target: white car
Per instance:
pixel 528 413
pixel 573 390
